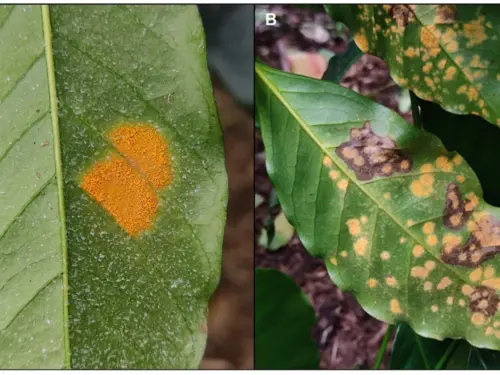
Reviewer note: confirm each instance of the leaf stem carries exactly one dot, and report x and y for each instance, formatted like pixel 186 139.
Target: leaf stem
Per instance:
pixel 415 112
pixel 47 31
pixel 446 355
pixel 383 347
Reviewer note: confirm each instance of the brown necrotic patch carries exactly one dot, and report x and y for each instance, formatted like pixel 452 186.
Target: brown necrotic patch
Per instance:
pixel 402 14
pixel 484 300
pixel 370 155
pixel 482 244
pixel 455 214
pixel 446 14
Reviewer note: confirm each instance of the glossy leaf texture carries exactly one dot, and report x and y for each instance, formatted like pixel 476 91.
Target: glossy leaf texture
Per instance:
pixel 112 187
pixel 284 320
pixel 400 221
pixel 443 53
pixel 412 352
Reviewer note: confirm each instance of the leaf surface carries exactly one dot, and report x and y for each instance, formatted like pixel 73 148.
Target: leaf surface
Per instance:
pixel 284 319
pixel 443 53
pixel 413 352
pixel 399 220
pixel 112 187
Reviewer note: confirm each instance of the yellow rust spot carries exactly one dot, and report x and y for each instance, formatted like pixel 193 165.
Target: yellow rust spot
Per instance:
pixel 343 254
pixel 427 67
pixel 360 246
pixel 364 219
pixel 411 52
pixel 146 149
pixel 492 283
pixel 449 300
pixel 450 241
pixel 430 83
pixel 342 184
pixel 123 193
pixel 461 302
pixel 387 196
pixel 444 164
pixel 429 40
pixel 419 272
pixel 450 73
pixel 489 331
pixel 472 94
pixel 334 174
pixel 476 274
pixel 410 223
pixel 477 319
pixel 430 265
pixel 474 32
pixel 434 308
pixel 327 162
pixel 395 307
pixel 441 64
pixel 427 286
pixel 462 89
pixel 391 281
pixel 354 227
pixel 460 178
pixel 418 251
pixel 467 289
pixel 423 186
pixel 426 168
pixel 431 240
pixel 457 160
pixel 372 283
pixel 428 227
pixel 489 272
pixel 385 255
pixel 444 283
pixel 361 40
pixel 333 261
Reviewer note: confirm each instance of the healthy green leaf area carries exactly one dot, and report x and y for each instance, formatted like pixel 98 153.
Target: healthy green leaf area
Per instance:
pixel 400 221
pixel 112 187
pixel 443 53
pixel 284 319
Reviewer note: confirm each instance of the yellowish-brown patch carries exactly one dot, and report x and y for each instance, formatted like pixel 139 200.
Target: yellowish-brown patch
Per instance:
pixel 427 286
pixel 449 300
pixel 354 227
pixel 372 283
pixel 342 184
pixel 384 255
pixel 477 319
pixel 360 246
pixel 395 307
pixel 434 308
pixel 391 281
pixel 444 283
pixel 428 227
pixel 418 251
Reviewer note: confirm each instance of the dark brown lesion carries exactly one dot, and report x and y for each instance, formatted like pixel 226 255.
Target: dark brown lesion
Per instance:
pixel 484 300
pixel 402 14
pixel 455 214
pixel 370 155
pixel 446 14
pixel 482 244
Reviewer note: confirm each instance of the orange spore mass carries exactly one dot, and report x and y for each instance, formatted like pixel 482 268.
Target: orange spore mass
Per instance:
pixel 125 184
pixel 146 149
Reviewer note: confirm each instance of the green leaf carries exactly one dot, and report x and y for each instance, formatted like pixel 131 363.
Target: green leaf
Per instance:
pixel 413 352
pixel 399 220
pixel 112 187
pixel 443 53
pixel 338 65
pixel 284 319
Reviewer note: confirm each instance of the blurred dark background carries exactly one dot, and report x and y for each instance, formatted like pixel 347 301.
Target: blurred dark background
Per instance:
pixel 229 35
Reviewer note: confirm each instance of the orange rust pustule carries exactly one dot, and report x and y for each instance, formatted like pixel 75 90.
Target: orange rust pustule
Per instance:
pixel 124 193
pixel 146 149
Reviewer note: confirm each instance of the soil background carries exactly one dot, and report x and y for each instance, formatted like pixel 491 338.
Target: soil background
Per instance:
pixel 347 337
pixel 230 317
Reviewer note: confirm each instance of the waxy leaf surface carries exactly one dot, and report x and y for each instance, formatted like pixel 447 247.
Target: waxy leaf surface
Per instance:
pixel 443 53
pixel 399 220
pixel 112 187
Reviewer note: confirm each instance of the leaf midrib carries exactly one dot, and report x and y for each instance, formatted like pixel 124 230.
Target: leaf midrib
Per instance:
pixel 305 128
pixel 47 32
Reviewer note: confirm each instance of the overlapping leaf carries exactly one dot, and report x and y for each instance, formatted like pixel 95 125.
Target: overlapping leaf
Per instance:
pixel 444 53
pixel 399 220
pixel 110 108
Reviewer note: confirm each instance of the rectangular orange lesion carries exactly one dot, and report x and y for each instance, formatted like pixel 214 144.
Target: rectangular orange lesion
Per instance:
pixel 124 193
